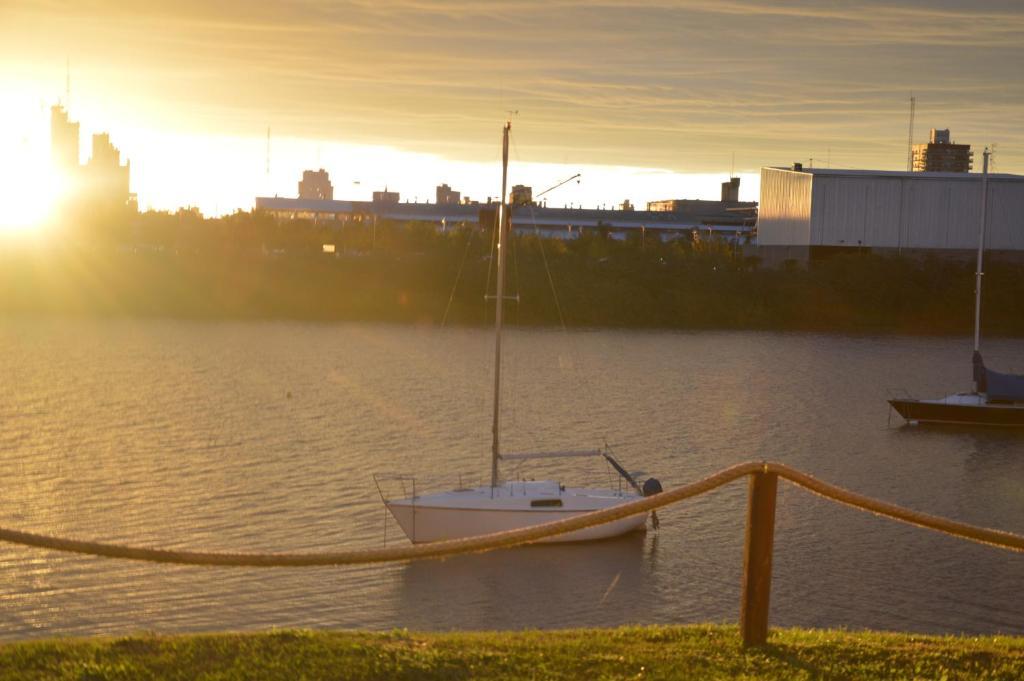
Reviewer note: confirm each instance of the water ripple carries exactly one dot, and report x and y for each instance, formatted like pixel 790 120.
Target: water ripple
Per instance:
pixel 264 437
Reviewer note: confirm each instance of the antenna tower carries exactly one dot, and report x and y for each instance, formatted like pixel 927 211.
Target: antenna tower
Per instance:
pixel 910 138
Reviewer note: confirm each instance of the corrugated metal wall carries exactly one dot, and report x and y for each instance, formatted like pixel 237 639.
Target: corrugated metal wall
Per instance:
pixel 889 211
pixel 941 213
pixel 1005 228
pixel 855 211
pixel 784 213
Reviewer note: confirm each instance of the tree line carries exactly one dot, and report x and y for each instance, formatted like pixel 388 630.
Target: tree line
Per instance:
pixel 250 266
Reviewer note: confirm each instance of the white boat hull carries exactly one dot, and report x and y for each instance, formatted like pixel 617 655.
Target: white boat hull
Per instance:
pixel 470 513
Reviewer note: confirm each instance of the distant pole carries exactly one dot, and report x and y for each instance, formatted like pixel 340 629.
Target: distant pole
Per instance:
pixel 499 305
pixel 757 558
pixel 981 251
pixel 268 151
pixel 910 138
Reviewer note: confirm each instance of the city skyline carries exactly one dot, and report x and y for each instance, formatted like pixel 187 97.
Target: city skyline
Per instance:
pixel 648 101
pixel 413 175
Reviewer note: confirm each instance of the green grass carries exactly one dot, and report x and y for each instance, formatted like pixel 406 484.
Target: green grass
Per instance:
pixel 678 652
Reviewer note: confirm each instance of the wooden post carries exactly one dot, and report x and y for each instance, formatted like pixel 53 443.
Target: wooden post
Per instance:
pixel 757 559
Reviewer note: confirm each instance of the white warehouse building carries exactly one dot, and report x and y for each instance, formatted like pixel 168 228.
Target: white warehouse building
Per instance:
pixel 804 211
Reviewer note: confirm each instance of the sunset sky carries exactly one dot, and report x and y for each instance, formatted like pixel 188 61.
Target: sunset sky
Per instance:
pixel 647 99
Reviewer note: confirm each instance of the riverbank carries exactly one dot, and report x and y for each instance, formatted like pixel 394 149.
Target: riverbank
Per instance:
pixel 677 652
pixel 599 284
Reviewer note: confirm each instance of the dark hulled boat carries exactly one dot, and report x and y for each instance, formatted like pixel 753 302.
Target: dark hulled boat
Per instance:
pixel 998 401
pixel 997 398
pixel 962 409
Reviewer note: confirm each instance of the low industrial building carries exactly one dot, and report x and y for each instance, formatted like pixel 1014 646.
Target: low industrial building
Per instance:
pixel 567 223
pixel 727 211
pixel 727 219
pixel 810 212
pixel 386 196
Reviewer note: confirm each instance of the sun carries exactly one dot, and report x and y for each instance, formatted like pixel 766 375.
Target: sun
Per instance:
pixel 30 187
pixel 34 190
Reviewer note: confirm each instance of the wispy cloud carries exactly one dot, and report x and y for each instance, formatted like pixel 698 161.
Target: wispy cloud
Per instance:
pixel 676 84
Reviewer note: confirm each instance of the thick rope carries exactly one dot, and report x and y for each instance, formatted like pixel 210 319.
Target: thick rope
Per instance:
pixel 981 535
pixel 355 557
pixel 509 538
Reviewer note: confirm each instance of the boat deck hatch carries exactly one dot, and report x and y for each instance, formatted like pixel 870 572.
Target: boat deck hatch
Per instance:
pixel 539 503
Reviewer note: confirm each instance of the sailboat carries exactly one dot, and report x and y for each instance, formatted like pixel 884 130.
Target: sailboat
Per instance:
pixel 508 505
pixel 997 398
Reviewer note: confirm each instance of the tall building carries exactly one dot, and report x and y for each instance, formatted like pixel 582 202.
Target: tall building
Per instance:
pixel 107 181
pixel 941 155
pixel 521 195
pixel 731 190
pixel 98 190
pixel 447 196
pixel 63 139
pixel 316 184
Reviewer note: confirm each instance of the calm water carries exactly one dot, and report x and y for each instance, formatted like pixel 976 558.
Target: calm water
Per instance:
pixel 265 436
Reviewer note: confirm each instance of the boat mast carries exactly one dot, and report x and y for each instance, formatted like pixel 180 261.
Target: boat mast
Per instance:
pixel 981 248
pixel 499 303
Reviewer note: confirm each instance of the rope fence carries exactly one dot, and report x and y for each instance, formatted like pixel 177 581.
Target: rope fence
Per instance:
pixel 757 557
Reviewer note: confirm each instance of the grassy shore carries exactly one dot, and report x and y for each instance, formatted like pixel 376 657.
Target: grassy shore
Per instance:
pixel 678 652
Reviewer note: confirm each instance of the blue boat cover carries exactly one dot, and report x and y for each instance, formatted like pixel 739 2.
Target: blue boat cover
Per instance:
pixel 997 386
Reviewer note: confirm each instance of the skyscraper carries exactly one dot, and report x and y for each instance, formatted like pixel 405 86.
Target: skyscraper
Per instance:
pixel 940 155
pixel 63 139
pixel 107 179
pixel 99 190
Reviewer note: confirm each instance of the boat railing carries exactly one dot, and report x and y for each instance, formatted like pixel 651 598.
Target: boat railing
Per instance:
pixel 392 486
pixel 898 394
pixel 408 485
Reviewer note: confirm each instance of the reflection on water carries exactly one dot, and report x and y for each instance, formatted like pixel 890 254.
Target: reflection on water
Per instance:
pixel 546 585
pixel 265 437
